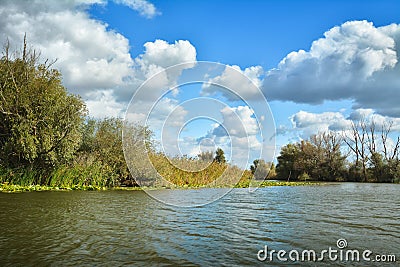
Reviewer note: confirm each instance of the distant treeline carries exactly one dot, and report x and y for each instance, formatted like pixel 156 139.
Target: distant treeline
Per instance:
pixel 321 157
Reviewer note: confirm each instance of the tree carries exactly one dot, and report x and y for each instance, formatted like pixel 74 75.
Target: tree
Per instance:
pixel 139 149
pixel 357 140
pixel 220 156
pixel 318 158
pixel 206 156
pixel 307 161
pixel 254 166
pixel 40 122
pixel 286 161
pixel 394 170
pixel 386 129
pixel 371 164
pixel 103 139
pixel 262 170
pixel 331 164
pixel 378 168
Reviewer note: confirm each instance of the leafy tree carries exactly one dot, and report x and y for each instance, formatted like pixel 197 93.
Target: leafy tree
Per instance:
pixel 220 156
pixel 206 156
pixel 263 170
pixel 331 164
pixel 102 141
pixel 286 162
pixel 393 169
pixel 40 122
pixel 254 166
pixel 108 146
pixel 319 158
pixel 307 161
pixel 139 151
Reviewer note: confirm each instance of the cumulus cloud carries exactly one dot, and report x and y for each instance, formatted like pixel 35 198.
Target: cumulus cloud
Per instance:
pixel 307 123
pixel 312 123
pixel 238 135
pixel 144 7
pixel 160 53
pixel 355 61
pixel 88 55
pixel 94 60
pixel 166 113
pixel 103 104
pixel 361 114
pixel 158 56
pixel 237 121
pixel 237 83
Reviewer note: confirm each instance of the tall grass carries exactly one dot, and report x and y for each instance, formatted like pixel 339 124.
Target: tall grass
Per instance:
pixel 19 176
pixel 76 174
pixel 190 172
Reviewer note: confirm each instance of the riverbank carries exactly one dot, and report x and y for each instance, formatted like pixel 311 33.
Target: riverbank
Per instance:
pixel 11 188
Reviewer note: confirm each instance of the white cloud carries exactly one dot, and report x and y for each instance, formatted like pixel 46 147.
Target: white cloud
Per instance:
pixel 243 83
pixel 158 56
pixel 103 104
pixel 239 132
pixel 168 114
pixel 152 67
pixel 353 61
pixel 360 114
pixel 166 110
pixel 95 61
pixel 144 7
pixel 88 54
pixel 238 121
pixel 307 123
pixel 160 53
pixel 312 123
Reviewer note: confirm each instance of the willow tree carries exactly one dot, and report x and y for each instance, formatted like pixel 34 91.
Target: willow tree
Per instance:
pixel 40 122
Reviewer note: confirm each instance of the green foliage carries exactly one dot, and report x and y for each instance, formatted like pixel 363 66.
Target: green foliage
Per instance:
pixel 189 172
pixel 263 170
pixel 319 158
pixel 206 156
pixel 98 162
pixel 355 172
pixel 393 170
pixel 102 140
pixel 102 149
pixel 382 170
pixel 39 121
pixel 286 162
pixel 304 177
pixel 220 156
pixel 45 142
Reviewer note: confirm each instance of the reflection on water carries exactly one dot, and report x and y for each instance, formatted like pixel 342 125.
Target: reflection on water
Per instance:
pixel 130 228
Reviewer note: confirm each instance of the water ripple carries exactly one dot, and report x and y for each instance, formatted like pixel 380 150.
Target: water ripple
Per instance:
pixel 131 229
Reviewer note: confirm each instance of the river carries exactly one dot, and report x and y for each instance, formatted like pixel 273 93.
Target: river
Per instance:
pixel 115 228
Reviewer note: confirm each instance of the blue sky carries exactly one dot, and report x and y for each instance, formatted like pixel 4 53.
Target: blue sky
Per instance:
pixel 320 64
pixel 243 33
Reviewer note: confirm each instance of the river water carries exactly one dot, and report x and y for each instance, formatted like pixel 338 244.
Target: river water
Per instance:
pixel 129 228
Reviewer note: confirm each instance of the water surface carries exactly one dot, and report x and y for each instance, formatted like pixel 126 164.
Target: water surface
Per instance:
pixel 114 228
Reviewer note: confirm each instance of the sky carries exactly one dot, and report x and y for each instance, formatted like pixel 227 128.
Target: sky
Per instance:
pixel 299 67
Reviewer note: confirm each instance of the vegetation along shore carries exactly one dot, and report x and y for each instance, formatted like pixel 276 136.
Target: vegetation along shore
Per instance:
pixel 48 142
